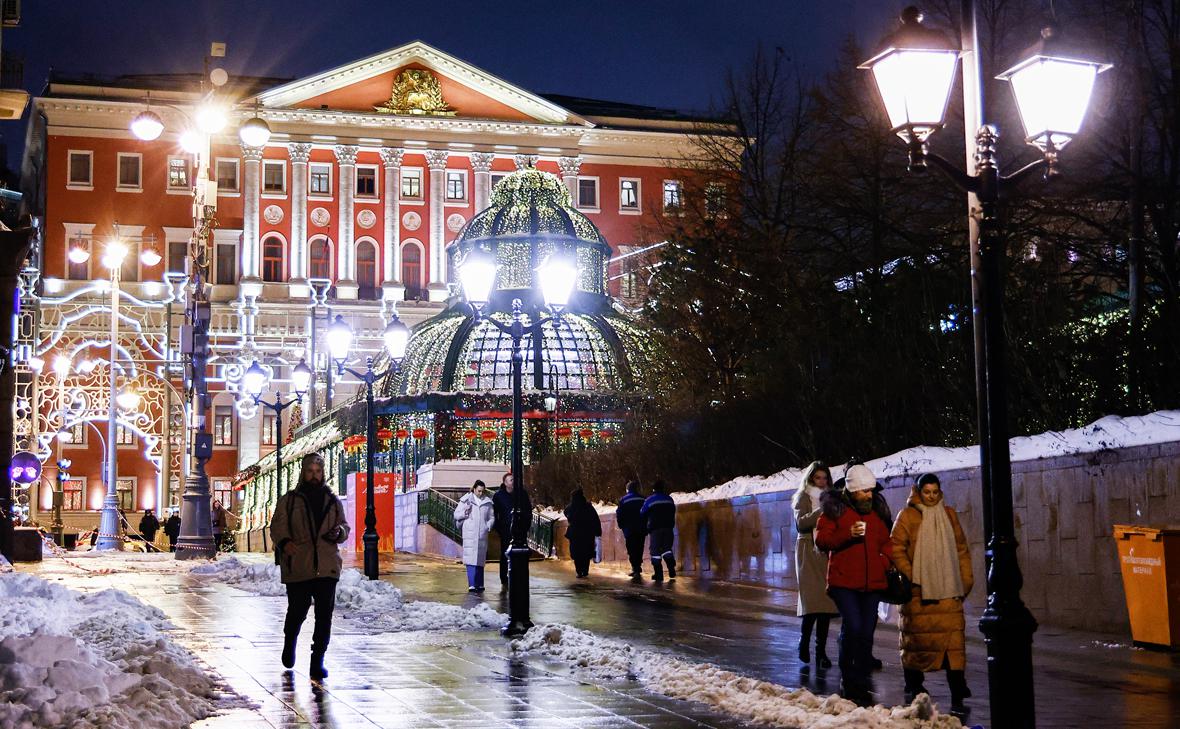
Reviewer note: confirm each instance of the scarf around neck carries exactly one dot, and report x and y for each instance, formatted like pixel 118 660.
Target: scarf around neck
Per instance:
pixel 936 555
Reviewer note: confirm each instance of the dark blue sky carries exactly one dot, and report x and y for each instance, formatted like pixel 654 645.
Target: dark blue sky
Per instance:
pixel 655 52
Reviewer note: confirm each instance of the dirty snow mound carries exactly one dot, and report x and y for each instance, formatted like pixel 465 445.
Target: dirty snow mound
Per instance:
pixel 740 696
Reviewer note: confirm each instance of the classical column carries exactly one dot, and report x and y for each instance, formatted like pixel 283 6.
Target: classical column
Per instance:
pixel 251 282
pixel 481 163
pixel 569 167
pixel 525 161
pixel 299 152
pixel 346 286
pixel 392 288
pixel 436 160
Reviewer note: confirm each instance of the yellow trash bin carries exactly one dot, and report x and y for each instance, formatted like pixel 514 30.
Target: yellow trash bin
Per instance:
pixel 1150 561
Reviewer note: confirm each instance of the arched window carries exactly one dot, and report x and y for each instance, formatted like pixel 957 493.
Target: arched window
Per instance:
pixel 366 269
pixel 272 260
pixel 320 258
pixel 412 271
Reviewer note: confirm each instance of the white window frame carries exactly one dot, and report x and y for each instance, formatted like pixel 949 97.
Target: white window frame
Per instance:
pixel 406 243
pixel 597 207
pixel 320 195
pixel 638 208
pixel 133 445
pixel 270 194
pixel 331 255
pixel 463 202
pixel 174 235
pixel 223 238
pixel 271 415
pixel 85 493
pixel 78 444
pixel 234 430
pixel 501 174
pixel 70 184
pixel 119 186
pixel 376 181
pixel 664 196
pixel 421 198
pixel 80 230
pixel 221 191
pixel 283 274
pixel 188 174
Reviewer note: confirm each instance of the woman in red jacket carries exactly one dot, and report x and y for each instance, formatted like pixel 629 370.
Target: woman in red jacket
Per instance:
pixel 854 530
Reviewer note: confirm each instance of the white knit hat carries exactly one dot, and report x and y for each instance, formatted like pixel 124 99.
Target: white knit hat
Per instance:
pixel 859 478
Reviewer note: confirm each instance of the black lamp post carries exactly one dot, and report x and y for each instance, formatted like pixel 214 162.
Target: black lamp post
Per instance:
pixel 396 336
pixel 558 274
pixel 254 381
pixel 914 73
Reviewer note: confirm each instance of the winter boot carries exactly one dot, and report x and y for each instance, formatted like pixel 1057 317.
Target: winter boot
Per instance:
pixel 959 691
pixel 317 670
pixel 804 650
pixel 289 651
pixel 657 571
pixel 913 684
pixel 671 566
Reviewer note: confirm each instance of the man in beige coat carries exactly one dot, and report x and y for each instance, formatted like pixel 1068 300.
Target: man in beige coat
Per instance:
pixel 307 528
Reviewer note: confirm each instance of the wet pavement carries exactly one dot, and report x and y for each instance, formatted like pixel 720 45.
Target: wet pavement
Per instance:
pixel 468 679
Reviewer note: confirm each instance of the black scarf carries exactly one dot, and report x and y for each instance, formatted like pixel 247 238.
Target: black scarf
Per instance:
pixel 316 495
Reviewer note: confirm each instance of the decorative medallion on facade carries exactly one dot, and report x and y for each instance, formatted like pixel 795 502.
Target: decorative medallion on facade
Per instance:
pixel 455 222
pixel 412 220
pixel 320 217
pixel 366 219
pixel 416 91
pixel 272 214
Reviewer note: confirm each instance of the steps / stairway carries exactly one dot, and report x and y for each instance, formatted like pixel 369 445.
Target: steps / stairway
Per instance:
pixel 437 508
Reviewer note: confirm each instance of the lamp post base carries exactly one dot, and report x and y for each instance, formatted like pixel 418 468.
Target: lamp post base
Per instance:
pixel 196 548
pixel 518 593
pixel 108 527
pixel 370 542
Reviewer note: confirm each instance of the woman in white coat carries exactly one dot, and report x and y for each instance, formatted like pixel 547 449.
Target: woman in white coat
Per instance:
pixel 474 516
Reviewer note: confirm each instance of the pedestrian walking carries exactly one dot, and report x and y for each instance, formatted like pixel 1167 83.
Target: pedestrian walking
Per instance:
pixel 854 529
pixel 659 512
pixel 172 530
pixel 503 502
pixel 474 515
pixel 307 529
pixel 929 547
pixel 149 525
pixel 583 529
pixel 633 525
pixel 811 566
pixel 220 524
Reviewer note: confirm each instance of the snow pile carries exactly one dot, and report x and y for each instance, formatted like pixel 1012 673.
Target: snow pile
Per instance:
pixel 746 698
pixel 370 605
pixel 69 659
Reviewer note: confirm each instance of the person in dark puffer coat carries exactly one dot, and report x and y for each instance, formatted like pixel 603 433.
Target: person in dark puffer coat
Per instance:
pixel 633 526
pixel 583 529
pixel 660 512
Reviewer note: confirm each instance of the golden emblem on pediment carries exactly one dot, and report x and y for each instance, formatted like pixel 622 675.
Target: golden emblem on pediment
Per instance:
pixel 416 91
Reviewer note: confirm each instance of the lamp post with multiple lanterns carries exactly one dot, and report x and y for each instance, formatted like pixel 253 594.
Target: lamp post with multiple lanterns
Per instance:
pixel 557 276
pixel 396 337
pixel 1052 83
pixel 254 382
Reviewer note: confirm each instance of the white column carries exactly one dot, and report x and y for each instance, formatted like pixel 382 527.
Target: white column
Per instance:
pixel 481 163
pixel 392 288
pixel 436 160
pixel 569 167
pixel 251 283
pixel 346 286
pixel 299 153
pixel 525 161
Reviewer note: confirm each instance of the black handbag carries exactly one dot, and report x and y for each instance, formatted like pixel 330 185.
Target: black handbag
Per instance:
pixel 898 588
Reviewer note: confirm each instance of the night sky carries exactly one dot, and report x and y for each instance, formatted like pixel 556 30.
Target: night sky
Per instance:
pixel 654 52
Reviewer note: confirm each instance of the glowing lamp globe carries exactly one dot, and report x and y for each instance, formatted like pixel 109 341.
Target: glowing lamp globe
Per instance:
pixel 254 133
pixel 61 365
pixel 115 252
pixel 1052 85
pixel 210 119
pixel 128 399
pixel 147 126
pixel 477 274
pixel 558 276
pixel 914 72
pixel 301 378
pixel 253 380
pixel 339 339
pixel 150 257
pixel 396 336
pixel 190 141
pixel 79 254
pixel 550 403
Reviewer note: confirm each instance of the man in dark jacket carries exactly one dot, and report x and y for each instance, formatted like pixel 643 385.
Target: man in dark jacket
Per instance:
pixel 583 528
pixel 307 528
pixel 634 526
pixel 172 530
pixel 502 504
pixel 148 526
pixel 659 512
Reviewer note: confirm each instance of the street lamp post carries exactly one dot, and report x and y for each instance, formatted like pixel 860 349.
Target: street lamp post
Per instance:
pixel 61 367
pixel 396 337
pixel 254 381
pixel 319 297
pixel 558 275
pixel 914 73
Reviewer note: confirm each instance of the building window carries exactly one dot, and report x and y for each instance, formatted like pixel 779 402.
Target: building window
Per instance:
pixel 412 271
pixel 320 259
pixel 177 255
pixel 629 195
pixel 673 195
pixel 227 175
pixel 130 171
pixel 456 185
pixel 73 500
pixel 81 169
pixel 588 192
pixel 366 270
pixel 125 488
pixel 270 429
pixel 223 490
pixel 714 200
pixel 272 259
pixel 274 177
pixel 178 174
pixel 124 436
pixel 319 179
pixel 495 178
pixel 411 184
pixel 223 425
pixel 225 264
pixel 129 269
pixel 366 181
pixel 76 434
pixel 80 271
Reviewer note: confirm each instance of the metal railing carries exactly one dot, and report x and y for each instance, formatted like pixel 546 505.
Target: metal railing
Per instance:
pixel 438 510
